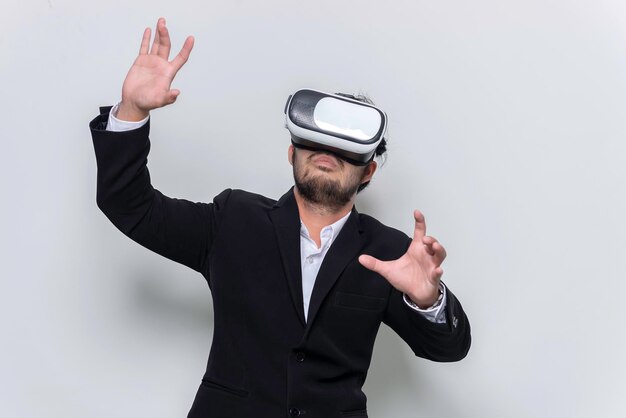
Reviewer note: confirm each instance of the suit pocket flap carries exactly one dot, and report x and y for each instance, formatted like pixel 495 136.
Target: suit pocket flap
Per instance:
pixel 224 388
pixel 361 413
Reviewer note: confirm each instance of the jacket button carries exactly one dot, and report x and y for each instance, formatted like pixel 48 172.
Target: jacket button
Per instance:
pixel 300 356
pixel 294 412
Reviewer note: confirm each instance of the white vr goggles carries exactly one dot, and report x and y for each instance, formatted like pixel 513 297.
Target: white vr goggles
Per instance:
pixel 346 127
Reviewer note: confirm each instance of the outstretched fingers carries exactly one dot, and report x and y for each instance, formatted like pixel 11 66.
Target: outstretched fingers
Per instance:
pixel 164 40
pixel 154 50
pixel 420 225
pixel 145 41
pixel 374 264
pixel 434 249
pixel 181 58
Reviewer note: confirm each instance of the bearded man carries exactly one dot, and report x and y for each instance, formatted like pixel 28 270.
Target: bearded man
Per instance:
pixel 300 285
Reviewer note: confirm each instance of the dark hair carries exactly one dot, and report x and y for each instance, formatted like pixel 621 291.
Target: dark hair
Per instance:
pixel 381 149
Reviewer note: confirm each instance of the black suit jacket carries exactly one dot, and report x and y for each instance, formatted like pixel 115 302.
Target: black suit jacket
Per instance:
pixel 265 360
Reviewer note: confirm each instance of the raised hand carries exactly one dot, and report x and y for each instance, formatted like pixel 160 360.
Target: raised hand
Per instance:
pixel 418 272
pixel 148 83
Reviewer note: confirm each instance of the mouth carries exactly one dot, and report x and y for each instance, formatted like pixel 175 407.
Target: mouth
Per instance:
pixel 326 160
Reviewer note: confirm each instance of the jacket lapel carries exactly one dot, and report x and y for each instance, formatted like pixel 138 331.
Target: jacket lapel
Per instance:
pixel 286 220
pixel 345 248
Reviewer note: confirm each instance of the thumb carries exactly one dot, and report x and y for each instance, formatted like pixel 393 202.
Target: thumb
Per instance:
pixel 373 264
pixel 173 95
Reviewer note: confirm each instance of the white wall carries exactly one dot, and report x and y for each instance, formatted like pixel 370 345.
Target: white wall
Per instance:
pixel 506 129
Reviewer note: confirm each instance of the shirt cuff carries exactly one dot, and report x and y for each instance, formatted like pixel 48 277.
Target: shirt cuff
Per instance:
pixel 437 312
pixel 116 125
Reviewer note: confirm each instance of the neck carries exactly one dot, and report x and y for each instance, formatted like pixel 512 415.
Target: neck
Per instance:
pixel 315 216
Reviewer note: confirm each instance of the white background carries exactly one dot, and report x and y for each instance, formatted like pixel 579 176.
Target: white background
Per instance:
pixel 506 129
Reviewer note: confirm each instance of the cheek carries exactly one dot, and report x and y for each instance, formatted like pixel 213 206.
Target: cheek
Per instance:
pixel 355 175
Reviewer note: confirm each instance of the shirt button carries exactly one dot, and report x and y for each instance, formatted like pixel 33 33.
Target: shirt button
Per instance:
pixel 300 356
pixel 294 412
pixel 309 260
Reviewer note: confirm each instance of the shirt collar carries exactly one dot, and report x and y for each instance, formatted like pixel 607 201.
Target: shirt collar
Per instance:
pixel 332 229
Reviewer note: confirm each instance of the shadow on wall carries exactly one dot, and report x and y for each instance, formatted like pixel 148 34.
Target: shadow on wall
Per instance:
pixel 395 388
pixel 174 304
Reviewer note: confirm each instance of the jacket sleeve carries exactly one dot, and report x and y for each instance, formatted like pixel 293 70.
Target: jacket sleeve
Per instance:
pixel 438 342
pixel 178 229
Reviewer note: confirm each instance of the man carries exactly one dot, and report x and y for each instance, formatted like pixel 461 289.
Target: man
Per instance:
pixel 299 285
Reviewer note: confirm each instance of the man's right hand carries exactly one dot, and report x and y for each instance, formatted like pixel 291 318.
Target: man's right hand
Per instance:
pixel 147 84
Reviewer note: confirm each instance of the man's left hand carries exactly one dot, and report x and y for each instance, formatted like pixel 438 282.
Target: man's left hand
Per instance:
pixel 418 272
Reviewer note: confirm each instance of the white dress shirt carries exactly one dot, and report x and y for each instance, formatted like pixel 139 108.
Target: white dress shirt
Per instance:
pixel 311 255
pixel 311 258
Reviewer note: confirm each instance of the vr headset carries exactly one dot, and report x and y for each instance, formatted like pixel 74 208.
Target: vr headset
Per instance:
pixel 346 127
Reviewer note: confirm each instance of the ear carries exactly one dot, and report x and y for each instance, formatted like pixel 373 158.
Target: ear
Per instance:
pixel 290 152
pixel 370 169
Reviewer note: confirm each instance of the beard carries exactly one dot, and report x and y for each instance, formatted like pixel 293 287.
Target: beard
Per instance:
pixel 323 191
